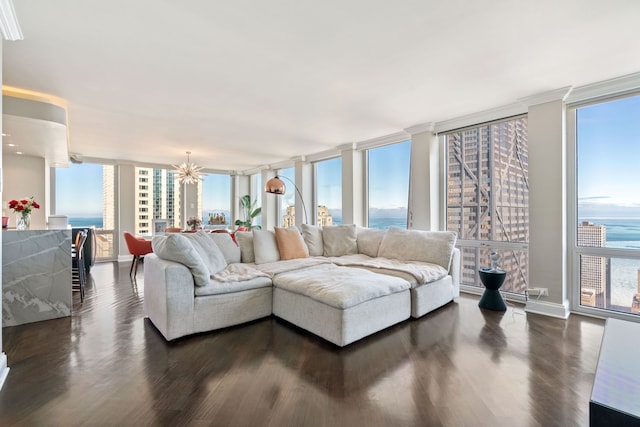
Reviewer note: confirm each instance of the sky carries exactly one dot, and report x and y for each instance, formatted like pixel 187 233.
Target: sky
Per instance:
pixel 608 159
pixel 79 190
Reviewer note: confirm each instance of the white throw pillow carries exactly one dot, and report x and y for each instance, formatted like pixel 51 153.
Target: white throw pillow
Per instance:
pixel 369 240
pixel 265 247
pixel 414 245
pixel 177 248
pixel 229 249
pixel 312 235
pixel 245 241
pixel 208 251
pixel 340 240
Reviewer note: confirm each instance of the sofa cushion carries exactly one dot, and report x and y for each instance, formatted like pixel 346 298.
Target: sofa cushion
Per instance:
pixel 291 245
pixel 230 250
pixel 245 241
pixel 414 245
pixel 175 247
pixel 369 240
pixel 339 287
pixel 265 247
pixel 208 251
pixel 234 278
pixel 312 235
pixel 339 240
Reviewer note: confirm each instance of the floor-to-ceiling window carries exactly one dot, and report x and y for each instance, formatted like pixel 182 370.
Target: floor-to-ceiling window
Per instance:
pixel 488 198
pixel 216 200
pixel 388 185
pixel 286 203
pixel 256 195
pixel 85 194
pixel 607 223
pixel 328 191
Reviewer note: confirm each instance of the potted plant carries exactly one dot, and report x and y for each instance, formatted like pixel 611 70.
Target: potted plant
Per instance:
pixel 249 212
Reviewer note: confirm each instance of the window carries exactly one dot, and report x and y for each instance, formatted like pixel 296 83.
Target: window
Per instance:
pixel 488 198
pixel 98 202
pixel 256 194
pixel 328 191
pixel 608 205
pixel 286 202
pixel 216 200
pixel 388 185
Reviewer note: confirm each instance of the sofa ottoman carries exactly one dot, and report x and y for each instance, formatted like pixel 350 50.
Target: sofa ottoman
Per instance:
pixel 340 304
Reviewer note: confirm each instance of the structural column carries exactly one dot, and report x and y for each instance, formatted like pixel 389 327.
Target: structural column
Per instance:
pixel 353 192
pixel 547 201
pixel 304 181
pixel 424 187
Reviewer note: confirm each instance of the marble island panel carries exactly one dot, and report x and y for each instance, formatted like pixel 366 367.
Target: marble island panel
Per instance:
pixel 36 275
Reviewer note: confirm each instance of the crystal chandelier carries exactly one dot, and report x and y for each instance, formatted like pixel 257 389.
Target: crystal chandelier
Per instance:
pixel 188 173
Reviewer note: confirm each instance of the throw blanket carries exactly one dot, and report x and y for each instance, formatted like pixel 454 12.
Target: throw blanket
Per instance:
pixel 424 272
pixel 237 273
pixel 277 267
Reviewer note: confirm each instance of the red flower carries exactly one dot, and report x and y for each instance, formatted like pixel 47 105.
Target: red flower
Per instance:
pixel 24 201
pixel 19 208
pixel 36 205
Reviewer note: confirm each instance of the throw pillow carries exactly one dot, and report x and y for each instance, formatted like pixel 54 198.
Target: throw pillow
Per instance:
pixel 290 243
pixel 177 248
pixel 229 248
pixel 312 235
pixel 369 240
pixel 340 240
pixel 265 246
pixel 208 251
pixel 245 241
pixel 435 247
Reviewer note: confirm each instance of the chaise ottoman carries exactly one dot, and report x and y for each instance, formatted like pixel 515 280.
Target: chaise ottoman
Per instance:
pixel 340 304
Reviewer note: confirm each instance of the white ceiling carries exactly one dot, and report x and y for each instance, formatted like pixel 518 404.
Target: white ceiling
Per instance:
pixel 247 83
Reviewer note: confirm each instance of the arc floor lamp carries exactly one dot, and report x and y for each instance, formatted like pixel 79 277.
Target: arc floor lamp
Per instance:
pixel 277 186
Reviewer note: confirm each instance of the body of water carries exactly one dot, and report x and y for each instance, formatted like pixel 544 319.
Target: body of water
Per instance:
pixel 95 221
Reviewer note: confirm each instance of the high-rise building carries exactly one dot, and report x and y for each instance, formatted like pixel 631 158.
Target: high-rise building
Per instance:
pixel 593 269
pixel 157 197
pixel 488 198
pixel 289 219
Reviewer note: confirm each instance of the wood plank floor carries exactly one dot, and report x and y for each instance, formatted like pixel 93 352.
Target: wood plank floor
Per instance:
pixel 460 366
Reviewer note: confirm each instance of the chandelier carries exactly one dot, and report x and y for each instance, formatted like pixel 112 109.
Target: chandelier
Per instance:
pixel 188 173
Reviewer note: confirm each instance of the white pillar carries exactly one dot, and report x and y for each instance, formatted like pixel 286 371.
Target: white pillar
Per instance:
pixel 353 186
pixel 425 188
pixel 548 201
pixel 269 203
pixel 304 181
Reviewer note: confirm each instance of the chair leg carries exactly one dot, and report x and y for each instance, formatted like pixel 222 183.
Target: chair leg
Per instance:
pixel 134 263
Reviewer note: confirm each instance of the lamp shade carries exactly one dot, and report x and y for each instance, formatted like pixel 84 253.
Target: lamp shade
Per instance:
pixel 275 186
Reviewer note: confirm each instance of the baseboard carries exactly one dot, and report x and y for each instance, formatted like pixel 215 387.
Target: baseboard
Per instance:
pixel 561 311
pixel 4 369
pixel 124 258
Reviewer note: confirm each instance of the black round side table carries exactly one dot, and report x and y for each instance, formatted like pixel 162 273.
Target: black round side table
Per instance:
pixel 492 280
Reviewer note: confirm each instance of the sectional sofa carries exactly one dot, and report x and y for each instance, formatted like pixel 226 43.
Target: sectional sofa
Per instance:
pixel 341 283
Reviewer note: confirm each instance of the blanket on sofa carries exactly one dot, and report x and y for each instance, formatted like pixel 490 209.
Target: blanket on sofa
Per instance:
pixel 422 272
pixel 278 267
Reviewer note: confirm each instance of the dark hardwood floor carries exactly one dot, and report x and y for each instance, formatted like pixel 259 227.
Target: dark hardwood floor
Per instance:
pixel 108 366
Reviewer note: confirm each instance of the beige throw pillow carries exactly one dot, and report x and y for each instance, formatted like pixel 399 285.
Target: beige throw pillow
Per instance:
pixel 208 251
pixel 245 241
pixel 369 240
pixel 229 249
pixel 291 245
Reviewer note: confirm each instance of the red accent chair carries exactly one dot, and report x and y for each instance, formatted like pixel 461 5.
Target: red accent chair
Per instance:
pixel 138 247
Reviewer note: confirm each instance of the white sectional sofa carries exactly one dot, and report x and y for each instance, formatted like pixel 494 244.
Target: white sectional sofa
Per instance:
pixel 341 283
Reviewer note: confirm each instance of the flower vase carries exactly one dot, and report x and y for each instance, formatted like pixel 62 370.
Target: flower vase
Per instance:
pixel 23 221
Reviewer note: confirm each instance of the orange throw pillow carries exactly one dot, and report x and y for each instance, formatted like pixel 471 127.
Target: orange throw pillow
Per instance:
pixel 291 245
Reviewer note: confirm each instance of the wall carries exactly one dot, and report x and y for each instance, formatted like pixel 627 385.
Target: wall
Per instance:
pixel 25 176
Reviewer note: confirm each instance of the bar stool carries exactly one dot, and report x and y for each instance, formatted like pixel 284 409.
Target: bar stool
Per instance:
pixel 78 272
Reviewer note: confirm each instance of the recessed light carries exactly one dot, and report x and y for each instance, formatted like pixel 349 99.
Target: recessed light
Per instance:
pixel 18 152
pixel 6 134
pixel 11 145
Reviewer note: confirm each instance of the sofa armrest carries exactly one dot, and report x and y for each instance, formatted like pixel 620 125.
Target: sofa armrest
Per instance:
pixel 454 271
pixel 168 296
